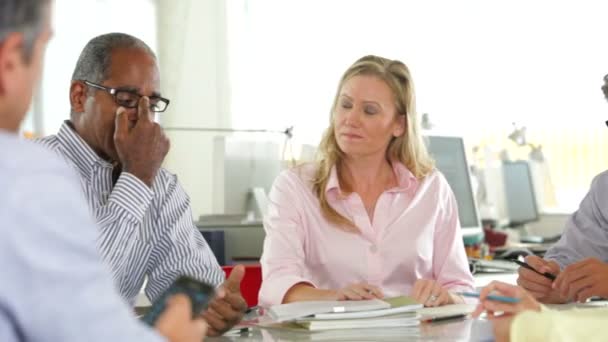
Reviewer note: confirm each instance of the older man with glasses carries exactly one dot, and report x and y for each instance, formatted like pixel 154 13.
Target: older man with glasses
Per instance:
pixel 143 213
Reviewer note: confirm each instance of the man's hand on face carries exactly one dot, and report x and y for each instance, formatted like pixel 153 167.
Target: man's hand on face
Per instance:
pixel 582 280
pixel 228 306
pixel 143 147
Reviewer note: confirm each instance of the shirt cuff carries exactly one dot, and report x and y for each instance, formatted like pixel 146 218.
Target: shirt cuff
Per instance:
pixel 275 290
pixel 131 194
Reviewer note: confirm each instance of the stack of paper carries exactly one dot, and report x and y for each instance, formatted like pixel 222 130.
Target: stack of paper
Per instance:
pixel 446 310
pixel 327 315
pixel 291 311
pixel 407 319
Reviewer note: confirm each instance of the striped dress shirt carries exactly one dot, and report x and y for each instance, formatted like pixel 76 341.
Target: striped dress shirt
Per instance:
pixel 143 231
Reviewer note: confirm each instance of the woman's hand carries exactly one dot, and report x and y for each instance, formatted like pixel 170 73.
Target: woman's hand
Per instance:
pixel 526 300
pixel 430 293
pixel 359 291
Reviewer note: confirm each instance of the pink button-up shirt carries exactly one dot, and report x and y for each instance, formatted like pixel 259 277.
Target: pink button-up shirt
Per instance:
pixel 415 234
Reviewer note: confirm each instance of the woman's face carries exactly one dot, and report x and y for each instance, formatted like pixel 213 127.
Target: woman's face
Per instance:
pixel 365 117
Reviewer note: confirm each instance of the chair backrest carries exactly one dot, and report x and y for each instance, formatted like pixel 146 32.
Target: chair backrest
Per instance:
pixel 252 281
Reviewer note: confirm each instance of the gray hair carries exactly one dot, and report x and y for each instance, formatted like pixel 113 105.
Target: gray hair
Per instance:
pixel 95 59
pixel 24 16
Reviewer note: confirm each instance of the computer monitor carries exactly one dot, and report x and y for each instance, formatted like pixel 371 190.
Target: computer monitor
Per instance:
pixel 450 158
pixel 243 172
pixel 519 193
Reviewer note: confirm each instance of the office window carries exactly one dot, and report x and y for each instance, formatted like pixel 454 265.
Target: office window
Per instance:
pixel 478 67
pixel 75 23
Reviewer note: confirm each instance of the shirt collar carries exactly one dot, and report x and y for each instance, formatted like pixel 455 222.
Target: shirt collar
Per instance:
pixel 79 152
pixel 406 180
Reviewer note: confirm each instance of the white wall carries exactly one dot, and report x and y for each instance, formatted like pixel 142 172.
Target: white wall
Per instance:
pixel 75 23
pixel 192 52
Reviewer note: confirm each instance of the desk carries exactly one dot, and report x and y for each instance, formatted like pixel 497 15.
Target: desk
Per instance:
pixel 464 330
pixel 483 279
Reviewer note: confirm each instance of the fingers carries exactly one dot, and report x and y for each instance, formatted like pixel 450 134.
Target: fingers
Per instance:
pixel 233 283
pixel 542 265
pixel 504 289
pixel 585 294
pixel 495 306
pixel 571 275
pixel 225 310
pixel 535 262
pixel 351 294
pixel 526 301
pixel 121 122
pixel 578 286
pixel 479 309
pixel 436 297
pixel 426 292
pixel 178 308
pixel 216 324
pixel 573 282
pixel 551 267
pixel 236 301
pixel 374 291
pixel 143 110
pixel 360 291
pixel 533 281
pixel 430 293
pixel 200 327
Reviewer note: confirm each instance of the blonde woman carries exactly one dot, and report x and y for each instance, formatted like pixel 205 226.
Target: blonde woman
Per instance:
pixel 372 217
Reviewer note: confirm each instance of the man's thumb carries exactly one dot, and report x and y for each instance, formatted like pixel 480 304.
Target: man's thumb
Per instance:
pixel 233 283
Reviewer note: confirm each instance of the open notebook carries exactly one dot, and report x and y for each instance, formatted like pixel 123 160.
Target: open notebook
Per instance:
pixel 331 310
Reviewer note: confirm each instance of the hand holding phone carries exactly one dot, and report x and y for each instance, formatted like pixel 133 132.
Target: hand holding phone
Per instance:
pixel 198 292
pixel 525 265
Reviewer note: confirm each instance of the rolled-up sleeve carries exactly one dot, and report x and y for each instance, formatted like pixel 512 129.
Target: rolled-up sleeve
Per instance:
pixel 586 231
pixel 283 258
pixel 450 263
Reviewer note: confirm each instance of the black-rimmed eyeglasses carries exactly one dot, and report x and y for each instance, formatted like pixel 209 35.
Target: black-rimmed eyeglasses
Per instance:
pixel 130 99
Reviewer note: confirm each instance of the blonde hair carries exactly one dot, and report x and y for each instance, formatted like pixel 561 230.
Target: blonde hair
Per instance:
pixel 409 148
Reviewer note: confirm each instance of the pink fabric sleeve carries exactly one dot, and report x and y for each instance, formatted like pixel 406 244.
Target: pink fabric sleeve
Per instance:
pixel 283 258
pixel 450 263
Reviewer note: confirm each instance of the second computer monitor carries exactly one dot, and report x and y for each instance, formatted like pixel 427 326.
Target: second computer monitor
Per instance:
pixel 450 158
pixel 519 193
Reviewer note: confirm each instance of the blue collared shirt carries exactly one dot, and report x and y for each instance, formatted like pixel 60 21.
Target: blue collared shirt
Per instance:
pixel 143 231
pixel 586 231
pixel 54 286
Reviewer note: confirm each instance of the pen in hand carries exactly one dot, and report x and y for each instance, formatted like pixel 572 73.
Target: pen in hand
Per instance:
pixel 525 265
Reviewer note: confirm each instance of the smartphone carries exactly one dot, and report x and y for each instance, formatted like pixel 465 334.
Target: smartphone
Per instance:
pixel 199 293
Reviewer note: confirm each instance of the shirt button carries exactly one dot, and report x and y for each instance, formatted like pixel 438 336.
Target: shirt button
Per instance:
pixel 373 249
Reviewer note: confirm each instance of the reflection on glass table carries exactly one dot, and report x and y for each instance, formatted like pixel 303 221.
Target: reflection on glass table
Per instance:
pixel 462 330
